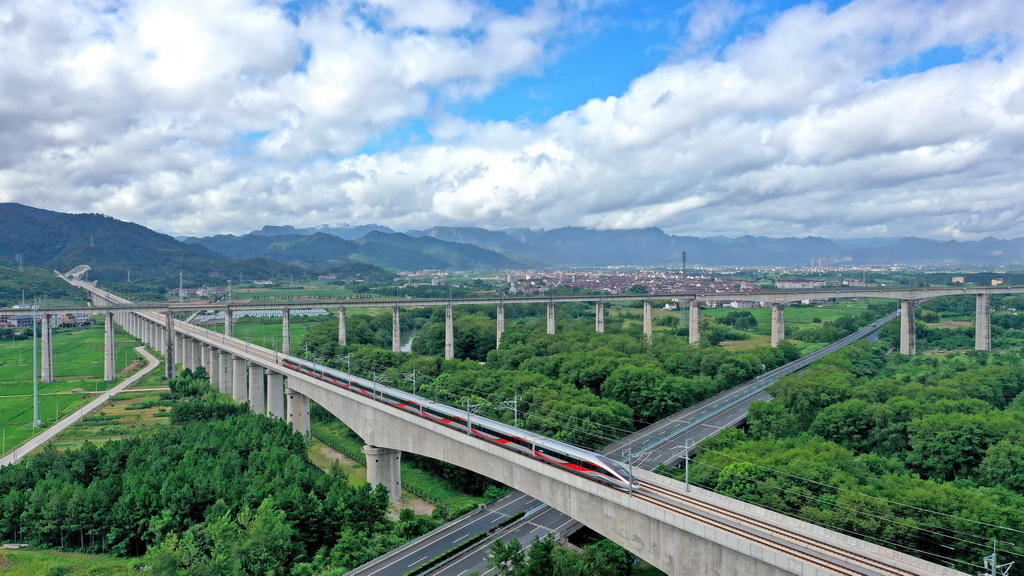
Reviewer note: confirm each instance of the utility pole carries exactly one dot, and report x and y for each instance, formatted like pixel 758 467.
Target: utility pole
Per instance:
pixel 469 415
pixel 992 565
pixel 411 378
pixel 35 366
pixel 628 453
pixel 513 405
pixel 181 291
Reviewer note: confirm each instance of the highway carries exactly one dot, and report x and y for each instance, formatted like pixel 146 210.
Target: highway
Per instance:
pixel 660 442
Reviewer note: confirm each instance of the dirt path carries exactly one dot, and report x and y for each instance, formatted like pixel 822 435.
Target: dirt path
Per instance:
pixel 418 505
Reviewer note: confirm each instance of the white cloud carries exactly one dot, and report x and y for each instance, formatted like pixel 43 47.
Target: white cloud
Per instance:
pixel 213 116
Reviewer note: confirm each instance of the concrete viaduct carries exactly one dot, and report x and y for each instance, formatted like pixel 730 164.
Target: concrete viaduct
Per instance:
pixel 908 298
pixel 679 529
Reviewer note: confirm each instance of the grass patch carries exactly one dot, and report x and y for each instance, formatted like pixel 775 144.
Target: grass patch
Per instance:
pixel 32 562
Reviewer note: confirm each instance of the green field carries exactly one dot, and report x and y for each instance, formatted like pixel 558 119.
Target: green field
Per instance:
pixel 32 562
pixel 266 332
pixel 796 314
pixel 78 372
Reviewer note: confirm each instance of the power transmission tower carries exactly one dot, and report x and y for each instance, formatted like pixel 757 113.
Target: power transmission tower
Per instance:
pixel 684 263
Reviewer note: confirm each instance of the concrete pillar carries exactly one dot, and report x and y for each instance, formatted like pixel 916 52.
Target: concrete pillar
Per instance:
pixel 501 324
pixel 342 331
pixel 257 389
pixel 213 366
pixel 240 375
pixel 694 321
pixel 908 328
pixel 229 323
pixel 551 317
pixel 224 364
pixel 449 333
pixel 778 324
pixel 983 322
pixel 46 366
pixel 286 332
pixel 298 412
pixel 169 358
pixel 648 323
pixel 203 356
pixel 109 348
pixel 599 317
pixel 384 466
pixel 275 394
pixel 396 330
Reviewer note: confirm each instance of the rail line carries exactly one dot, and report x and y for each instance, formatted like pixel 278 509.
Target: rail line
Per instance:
pixel 790 542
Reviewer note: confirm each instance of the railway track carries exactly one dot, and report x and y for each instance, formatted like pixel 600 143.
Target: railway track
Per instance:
pixel 769 535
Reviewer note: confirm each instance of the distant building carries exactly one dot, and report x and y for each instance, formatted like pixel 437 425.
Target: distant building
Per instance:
pixel 998 281
pixel 327 277
pixel 958 280
pixel 799 284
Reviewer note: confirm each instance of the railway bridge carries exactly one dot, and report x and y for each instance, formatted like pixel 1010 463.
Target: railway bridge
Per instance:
pixel 680 529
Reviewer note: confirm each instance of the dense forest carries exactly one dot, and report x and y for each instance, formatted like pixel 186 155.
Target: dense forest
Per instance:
pixel 923 454
pixel 221 491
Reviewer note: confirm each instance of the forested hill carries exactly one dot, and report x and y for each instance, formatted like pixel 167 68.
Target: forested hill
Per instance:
pixel 322 251
pixel 113 248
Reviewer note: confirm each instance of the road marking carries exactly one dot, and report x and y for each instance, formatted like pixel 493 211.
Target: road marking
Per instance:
pixel 462 538
pixel 417 562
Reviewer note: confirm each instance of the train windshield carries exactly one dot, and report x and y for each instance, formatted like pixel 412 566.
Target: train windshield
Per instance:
pixel 618 467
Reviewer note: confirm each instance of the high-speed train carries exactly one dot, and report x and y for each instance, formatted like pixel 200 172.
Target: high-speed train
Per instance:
pixel 571 458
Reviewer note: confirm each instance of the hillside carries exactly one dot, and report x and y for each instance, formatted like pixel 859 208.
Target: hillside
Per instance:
pixel 321 251
pixel 114 249
pixel 573 246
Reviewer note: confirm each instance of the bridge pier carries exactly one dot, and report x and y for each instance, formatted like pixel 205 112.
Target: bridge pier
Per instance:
pixel 229 323
pixel 384 466
pixel 983 322
pixel 396 330
pixel 501 324
pixel 694 321
pixel 46 366
pixel 908 328
pixel 197 354
pixel 342 331
pixel 551 317
pixel 286 331
pixel 257 389
pixel 275 395
pixel 224 365
pixel 109 348
pixel 778 324
pixel 599 317
pixel 298 412
pixel 239 388
pixel 648 323
pixel 449 333
pixel 169 337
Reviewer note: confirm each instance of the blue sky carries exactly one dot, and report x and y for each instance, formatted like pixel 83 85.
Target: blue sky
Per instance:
pixel 715 117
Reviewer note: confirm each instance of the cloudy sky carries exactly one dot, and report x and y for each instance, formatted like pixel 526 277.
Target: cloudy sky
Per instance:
pixel 713 117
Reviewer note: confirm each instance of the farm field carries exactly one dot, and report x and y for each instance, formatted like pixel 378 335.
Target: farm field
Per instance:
pixel 78 371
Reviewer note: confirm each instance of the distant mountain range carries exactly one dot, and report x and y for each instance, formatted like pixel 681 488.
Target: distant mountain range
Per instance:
pixel 113 248
pixel 117 250
pixel 450 247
